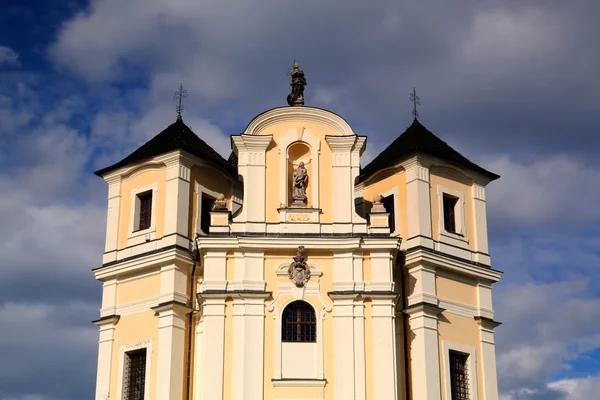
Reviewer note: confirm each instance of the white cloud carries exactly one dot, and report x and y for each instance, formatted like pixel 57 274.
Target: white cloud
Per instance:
pixel 551 190
pixel 8 56
pixel 578 388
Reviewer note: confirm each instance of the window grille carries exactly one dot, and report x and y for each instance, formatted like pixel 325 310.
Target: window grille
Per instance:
pixel 135 375
pixel 145 210
pixel 299 323
pixel 449 214
pixel 459 376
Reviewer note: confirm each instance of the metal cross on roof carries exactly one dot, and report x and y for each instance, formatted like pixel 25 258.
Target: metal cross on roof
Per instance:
pixel 179 96
pixel 416 100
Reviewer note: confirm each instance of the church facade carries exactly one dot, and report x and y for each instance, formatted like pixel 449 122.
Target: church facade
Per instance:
pixel 290 272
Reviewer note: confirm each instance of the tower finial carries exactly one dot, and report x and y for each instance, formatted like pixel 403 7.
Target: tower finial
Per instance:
pixel 416 100
pixel 179 96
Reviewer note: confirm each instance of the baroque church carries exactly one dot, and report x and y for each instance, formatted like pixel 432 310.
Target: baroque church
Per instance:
pixel 290 272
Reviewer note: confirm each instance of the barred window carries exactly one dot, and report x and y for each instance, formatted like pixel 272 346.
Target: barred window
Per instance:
pixel 299 323
pixel 145 203
pixel 449 213
pixel 135 375
pixel 459 376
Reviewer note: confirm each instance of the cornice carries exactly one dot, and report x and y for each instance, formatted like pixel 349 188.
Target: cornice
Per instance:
pixel 287 114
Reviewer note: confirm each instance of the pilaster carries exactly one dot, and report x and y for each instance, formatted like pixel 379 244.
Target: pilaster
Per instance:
pixel 384 347
pixel 480 216
pixel 343 350
pixel 418 203
pixel 343 184
pixel 360 383
pixel 113 212
pixel 171 350
pixel 424 351
pixel 357 151
pixel 105 350
pixel 251 151
pixel 488 357
pixel 177 199
pixel 209 385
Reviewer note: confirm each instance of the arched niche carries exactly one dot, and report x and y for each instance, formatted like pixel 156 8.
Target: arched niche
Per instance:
pixel 298 152
pixel 299 144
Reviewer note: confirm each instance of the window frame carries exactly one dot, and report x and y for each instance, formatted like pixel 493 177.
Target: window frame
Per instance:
pixel 140 234
pixel 471 354
pixel 312 324
pixel 139 210
pixel 458 238
pixel 123 350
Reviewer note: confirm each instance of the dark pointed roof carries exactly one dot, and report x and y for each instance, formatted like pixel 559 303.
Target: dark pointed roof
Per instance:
pixel 176 136
pixel 418 139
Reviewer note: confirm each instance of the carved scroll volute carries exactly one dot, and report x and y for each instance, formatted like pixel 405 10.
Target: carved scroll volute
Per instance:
pixel 298 271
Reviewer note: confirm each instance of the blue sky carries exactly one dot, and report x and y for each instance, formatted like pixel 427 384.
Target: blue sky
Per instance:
pixel 512 85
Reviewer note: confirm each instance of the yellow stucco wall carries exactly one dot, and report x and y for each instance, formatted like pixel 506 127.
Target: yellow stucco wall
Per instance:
pixel 450 178
pixel 132 329
pixel 325 169
pixel 138 179
pixel 135 289
pixel 462 331
pixel 384 183
pixel 210 179
pixel 460 290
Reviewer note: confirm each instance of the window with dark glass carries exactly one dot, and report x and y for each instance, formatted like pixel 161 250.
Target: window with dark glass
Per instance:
pixel 135 375
pixel 206 208
pixel 459 376
pixel 450 213
pixel 388 203
pixel 145 210
pixel 299 323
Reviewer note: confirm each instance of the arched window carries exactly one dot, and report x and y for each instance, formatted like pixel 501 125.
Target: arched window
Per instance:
pixel 299 323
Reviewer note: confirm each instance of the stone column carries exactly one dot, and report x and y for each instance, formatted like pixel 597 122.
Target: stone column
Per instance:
pixel 418 204
pixel 105 350
pixel 424 351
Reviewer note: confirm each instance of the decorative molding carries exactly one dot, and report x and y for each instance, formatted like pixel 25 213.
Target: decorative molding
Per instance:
pixel 478 192
pixel 298 114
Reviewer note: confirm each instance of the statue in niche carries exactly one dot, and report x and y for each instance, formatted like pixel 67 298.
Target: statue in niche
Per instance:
pixel 298 81
pixel 298 270
pixel 300 181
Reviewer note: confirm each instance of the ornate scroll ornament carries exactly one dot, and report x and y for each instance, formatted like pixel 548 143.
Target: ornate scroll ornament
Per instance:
pixel 298 271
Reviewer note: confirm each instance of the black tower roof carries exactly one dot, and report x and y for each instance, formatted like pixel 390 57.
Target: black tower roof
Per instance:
pixel 176 136
pixel 418 139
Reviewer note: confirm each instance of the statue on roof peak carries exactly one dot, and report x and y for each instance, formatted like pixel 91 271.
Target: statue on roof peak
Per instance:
pixel 297 81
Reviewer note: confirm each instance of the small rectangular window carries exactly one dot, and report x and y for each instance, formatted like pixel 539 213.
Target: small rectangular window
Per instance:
pixel 450 213
pixel 145 210
pixel 388 203
pixel 459 376
pixel 207 205
pixel 135 375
